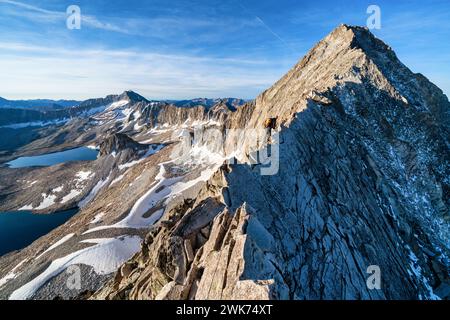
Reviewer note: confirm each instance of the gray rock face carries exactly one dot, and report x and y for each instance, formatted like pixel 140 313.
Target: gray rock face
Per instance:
pixel 117 143
pixel 231 103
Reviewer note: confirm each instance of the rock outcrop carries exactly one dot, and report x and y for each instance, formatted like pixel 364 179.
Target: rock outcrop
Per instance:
pixel 119 142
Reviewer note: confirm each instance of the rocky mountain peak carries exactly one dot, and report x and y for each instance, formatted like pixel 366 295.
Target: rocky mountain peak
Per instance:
pixel 355 37
pixel 223 104
pixel 132 96
pixel 349 55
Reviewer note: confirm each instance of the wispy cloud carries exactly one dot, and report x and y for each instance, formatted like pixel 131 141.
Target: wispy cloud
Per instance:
pixel 21 48
pixel 266 26
pixel 174 63
pixel 41 14
pixel 62 73
pixel 28 7
pixel 185 49
pixel 169 26
pixel 272 32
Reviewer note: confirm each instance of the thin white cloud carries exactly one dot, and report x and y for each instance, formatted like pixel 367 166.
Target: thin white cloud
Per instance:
pixel 266 26
pixel 21 48
pixel 38 13
pixel 166 28
pixel 61 73
pixel 28 7
pixel 273 32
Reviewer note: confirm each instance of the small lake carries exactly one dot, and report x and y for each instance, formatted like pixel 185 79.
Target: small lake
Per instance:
pixel 45 160
pixel 20 229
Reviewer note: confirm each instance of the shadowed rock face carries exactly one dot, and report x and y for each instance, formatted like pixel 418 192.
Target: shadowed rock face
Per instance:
pixel 362 182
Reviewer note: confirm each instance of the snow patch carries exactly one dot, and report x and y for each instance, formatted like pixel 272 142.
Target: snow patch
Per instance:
pixel 93 193
pixel 57 244
pixel 83 175
pixel 138 126
pixel 119 178
pixel 417 272
pixel 12 274
pixel 26 208
pixel 56 190
pixel 117 104
pixel 48 201
pixel 98 218
pixel 33 183
pixel 129 164
pixel 72 194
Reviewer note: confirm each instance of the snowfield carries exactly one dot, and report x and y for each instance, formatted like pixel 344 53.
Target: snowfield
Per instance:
pixel 48 201
pixel 83 175
pixel 93 193
pixel 165 188
pixel 71 195
pixel 26 208
pixel 105 257
pixel 117 104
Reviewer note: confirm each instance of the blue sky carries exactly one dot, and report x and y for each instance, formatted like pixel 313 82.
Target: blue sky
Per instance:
pixel 174 49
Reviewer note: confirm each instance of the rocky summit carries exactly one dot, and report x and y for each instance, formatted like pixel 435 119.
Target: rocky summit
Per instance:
pixel 331 184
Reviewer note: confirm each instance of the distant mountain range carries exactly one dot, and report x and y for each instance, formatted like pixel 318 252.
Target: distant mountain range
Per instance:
pixel 49 104
pixel 208 103
pixel 41 104
pixel 14 112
